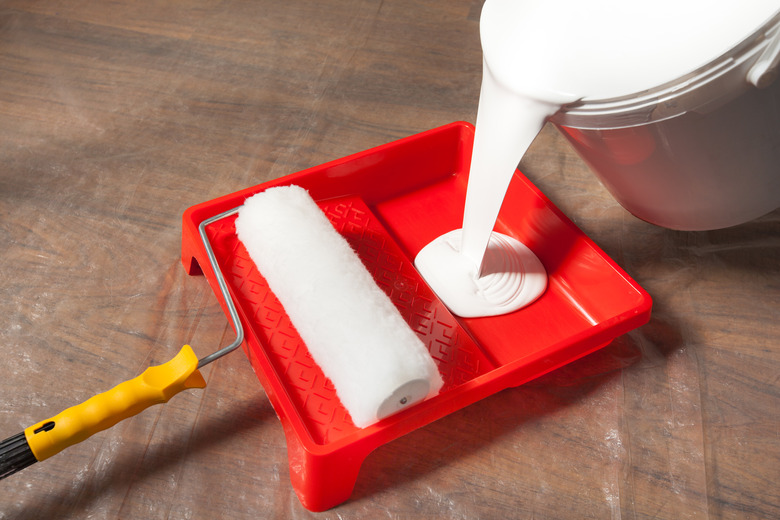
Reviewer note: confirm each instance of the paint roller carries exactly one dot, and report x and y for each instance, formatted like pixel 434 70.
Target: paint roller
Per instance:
pixel 353 331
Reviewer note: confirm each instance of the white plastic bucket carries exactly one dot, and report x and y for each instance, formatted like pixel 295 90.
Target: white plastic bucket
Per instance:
pixel 701 152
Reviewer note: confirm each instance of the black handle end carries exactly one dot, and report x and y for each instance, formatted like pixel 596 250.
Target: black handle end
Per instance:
pixel 15 455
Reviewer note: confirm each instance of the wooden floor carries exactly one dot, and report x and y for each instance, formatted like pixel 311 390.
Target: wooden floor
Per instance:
pixel 117 116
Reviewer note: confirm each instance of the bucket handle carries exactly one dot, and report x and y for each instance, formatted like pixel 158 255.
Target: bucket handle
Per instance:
pixel 765 70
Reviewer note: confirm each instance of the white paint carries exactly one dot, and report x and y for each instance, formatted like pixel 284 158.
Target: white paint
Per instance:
pixel 539 57
pixel 507 124
pixel 455 264
pixel 512 276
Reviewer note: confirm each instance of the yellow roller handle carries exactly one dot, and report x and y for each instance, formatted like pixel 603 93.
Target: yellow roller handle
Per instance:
pixel 155 386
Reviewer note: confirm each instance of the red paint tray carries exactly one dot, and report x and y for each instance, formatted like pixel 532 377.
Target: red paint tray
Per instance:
pixel 389 202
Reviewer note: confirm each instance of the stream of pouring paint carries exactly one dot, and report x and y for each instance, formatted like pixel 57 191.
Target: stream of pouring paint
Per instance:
pixel 474 271
pixel 539 56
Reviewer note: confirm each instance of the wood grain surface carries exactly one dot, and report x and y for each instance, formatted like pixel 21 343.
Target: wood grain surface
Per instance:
pixel 117 116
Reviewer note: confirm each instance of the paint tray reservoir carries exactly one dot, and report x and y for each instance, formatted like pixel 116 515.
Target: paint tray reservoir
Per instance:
pixel 389 202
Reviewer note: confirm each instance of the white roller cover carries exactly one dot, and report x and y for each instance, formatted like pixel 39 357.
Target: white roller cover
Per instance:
pixel 377 364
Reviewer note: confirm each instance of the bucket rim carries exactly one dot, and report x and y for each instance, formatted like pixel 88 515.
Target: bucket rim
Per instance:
pixel 703 89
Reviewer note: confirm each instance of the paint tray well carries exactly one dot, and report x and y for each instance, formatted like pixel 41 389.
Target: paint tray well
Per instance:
pixel 389 202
